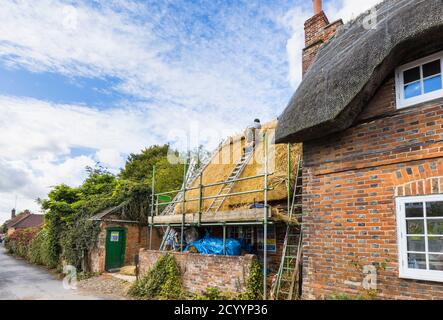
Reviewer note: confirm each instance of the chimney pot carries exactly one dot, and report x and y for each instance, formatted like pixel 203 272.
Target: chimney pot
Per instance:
pixel 12 213
pixel 318 6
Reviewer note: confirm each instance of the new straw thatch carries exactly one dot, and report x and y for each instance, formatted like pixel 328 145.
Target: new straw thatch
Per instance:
pixel 224 162
pixel 350 67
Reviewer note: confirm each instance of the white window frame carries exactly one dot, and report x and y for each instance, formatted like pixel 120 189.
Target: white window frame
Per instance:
pixel 404 270
pixel 399 82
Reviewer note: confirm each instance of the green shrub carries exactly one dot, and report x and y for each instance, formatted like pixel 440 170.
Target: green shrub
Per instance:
pixel 254 283
pixel 162 281
pixel 41 251
pixel 35 252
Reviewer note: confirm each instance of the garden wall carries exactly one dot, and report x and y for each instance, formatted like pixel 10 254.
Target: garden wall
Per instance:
pixel 226 273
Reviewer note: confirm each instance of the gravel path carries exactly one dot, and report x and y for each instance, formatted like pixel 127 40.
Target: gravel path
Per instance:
pixel 106 284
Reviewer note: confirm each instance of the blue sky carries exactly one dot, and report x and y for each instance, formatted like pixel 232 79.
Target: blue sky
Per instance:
pixel 88 81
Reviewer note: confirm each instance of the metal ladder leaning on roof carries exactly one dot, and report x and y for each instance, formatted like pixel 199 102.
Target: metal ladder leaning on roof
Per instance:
pixel 226 188
pixel 286 287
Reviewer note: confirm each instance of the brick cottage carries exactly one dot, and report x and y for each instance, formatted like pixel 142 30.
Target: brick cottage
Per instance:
pixel 369 112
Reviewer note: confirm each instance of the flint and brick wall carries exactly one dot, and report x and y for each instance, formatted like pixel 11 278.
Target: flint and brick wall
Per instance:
pixel 199 272
pixel 350 180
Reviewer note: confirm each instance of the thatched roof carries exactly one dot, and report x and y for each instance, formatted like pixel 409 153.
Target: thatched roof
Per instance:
pixel 224 162
pixel 354 63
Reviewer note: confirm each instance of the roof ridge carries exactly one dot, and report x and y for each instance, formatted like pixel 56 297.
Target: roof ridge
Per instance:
pixel 23 216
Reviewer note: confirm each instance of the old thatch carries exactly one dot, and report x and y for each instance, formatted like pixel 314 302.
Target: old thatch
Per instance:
pixel 224 162
pixel 351 66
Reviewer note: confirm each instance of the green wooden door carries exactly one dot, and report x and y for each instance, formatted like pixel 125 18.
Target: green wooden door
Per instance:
pixel 115 248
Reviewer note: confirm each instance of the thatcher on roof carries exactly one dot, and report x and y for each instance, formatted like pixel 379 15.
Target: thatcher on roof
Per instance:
pixel 351 67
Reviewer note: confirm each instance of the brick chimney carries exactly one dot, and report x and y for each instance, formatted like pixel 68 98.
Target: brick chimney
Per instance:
pixel 318 30
pixel 12 213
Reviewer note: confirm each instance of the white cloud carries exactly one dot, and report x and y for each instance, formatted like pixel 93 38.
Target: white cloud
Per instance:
pixel 110 158
pixel 294 21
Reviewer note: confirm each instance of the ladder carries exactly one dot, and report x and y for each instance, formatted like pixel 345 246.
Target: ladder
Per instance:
pixel 165 238
pixel 288 275
pixel 192 174
pixel 226 188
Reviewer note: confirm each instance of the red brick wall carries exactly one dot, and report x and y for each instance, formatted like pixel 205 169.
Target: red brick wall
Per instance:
pixel 314 28
pixel 317 31
pixel 228 274
pixel 136 238
pixel 350 180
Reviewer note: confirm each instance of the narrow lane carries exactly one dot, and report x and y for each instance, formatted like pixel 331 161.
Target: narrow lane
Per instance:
pixel 20 280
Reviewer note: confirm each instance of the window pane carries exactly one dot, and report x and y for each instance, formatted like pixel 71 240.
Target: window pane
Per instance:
pixel 431 68
pixel 416 244
pixel 435 244
pixel 434 209
pixel 414 210
pixel 417 261
pixel 435 226
pixel 415 227
pixel 411 75
pixel 432 84
pixel 436 262
pixel 412 90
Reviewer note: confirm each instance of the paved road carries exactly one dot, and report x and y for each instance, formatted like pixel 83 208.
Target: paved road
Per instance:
pixel 21 280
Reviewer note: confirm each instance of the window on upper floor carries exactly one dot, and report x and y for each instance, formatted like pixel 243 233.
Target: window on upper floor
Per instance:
pixel 419 81
pixel 420 237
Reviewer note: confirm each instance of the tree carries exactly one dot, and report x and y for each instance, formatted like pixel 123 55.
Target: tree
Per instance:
pixel 139 168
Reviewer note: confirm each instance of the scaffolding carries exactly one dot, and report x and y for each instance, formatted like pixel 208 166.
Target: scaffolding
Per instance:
pixel 156 204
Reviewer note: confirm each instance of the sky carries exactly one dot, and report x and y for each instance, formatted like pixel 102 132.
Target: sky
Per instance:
pixel 87 82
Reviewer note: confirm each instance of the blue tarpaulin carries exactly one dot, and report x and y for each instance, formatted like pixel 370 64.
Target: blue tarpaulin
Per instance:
pixel 212 245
